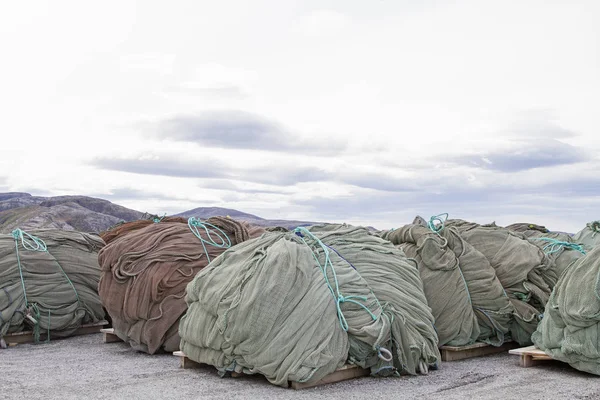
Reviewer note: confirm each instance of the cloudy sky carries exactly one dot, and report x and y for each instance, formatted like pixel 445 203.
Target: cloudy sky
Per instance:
pixel 367 112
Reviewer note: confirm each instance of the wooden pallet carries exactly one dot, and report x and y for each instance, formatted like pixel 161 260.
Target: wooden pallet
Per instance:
pixel 348 371
pixel 27 337
pixel 455 353
pixel 530 356
pixel 109 336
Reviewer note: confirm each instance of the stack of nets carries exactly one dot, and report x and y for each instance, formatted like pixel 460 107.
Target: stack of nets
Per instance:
pixel 523 269
pixel 145 272
pixel 467 299
pixel 560 247
pixel 570 329
pixel 296 306
pixel 589 236
pixel 48 282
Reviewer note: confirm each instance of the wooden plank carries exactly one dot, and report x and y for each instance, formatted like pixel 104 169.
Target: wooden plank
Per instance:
pixel 27 336
pixel 109 336
pixel 185 362
pixel 530 356
pixel 455 353
pixel 348 371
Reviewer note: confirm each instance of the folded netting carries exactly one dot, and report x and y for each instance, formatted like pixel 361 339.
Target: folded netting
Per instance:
pixel 48 282
pixel 123 228
pixel 560 247
pixel 589 236
pixel 395 281
pixel 491 304
pixel 523 269
pixel 570 329
pixel 524 227
pixel 445 287
pixel 145 272
pixel 292 308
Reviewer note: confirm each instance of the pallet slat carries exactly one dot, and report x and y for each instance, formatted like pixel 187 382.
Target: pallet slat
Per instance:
pixel 27 337
pixel 348 371
pixel 455 353
pixel 342 374
pixel 530 356
pixel 108 336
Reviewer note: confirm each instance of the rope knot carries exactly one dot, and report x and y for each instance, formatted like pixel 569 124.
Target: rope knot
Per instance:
pixel 436 223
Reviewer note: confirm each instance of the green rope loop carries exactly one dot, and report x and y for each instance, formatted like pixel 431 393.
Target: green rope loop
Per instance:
pixel 440 219
pixel 156 219
pixel 555 246
pixel 32 243
pixel 210 230
pixel 335 288
pixel 29 242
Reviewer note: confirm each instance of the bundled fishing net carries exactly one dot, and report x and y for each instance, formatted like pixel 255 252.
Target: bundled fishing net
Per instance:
pixel 559 247
pixel 524 227
pixel 145 272
pixel 460 284
pixel 443 281
pixel 589 236
pixel 523 269
pixel 570 328
pixel 48 282
pixel 294 308
pixel 396 283
pixel 123 228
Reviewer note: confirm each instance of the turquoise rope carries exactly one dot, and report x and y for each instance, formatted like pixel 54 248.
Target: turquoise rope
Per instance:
pixel 156 220
pixel 554 246
pixel 335 288
pixel 209 229
pixel 32 243
pixel 437 218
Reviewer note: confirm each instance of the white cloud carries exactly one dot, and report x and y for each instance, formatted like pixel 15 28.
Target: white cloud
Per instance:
pixel 399 90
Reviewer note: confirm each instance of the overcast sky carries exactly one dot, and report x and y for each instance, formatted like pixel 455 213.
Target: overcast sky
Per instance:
pixel 367 112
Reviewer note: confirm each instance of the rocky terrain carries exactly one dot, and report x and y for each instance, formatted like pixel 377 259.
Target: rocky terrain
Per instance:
pixel 90 214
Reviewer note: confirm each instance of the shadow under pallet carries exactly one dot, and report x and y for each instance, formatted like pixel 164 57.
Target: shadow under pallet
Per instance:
pixel 13 339
pixel 348 371
pixel 456 353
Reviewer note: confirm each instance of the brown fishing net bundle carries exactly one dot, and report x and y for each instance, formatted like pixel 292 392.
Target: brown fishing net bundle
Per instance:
pixel 145 270
pixel 121 229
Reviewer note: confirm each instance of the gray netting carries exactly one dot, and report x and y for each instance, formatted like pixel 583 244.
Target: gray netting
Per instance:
pixel 570 329
pixel 523 269
pixel 289 307
pixel 589 236
pixel 560 247
pixel 445 287
pixel 396 283
pixel 52 276
pixel 445 253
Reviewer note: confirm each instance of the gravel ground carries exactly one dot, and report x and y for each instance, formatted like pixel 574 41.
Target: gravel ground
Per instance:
pixel 85 368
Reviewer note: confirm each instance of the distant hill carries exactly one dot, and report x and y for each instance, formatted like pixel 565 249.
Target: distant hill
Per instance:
pixel 90 214
pixel 82 213
pixel 207 212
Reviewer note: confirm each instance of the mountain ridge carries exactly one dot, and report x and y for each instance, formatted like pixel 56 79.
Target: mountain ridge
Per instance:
pixel 92 214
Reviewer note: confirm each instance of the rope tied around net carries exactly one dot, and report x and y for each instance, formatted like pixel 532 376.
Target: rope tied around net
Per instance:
pixel 212 232
pixel 436 223
pixel 334 287
pixel 555 246
pixel 33 243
